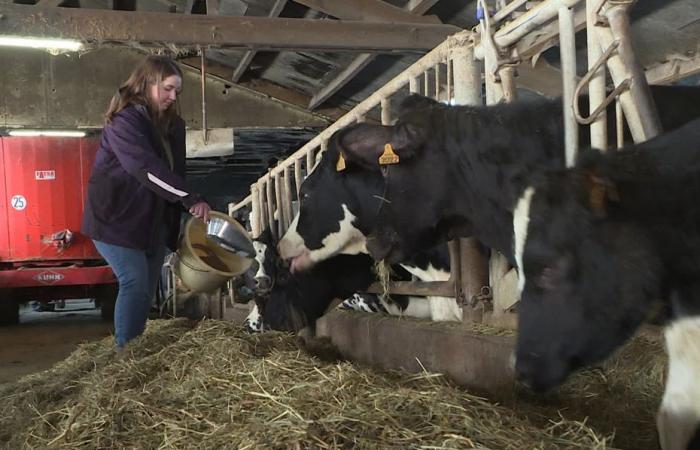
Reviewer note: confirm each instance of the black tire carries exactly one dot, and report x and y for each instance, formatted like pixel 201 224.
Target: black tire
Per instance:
pixel 106 296
pixel 9 309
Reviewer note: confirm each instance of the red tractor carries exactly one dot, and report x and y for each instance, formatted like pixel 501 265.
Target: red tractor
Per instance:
pixel 43 255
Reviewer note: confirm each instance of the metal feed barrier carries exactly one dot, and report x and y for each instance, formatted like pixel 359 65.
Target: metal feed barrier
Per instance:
pixel 453 72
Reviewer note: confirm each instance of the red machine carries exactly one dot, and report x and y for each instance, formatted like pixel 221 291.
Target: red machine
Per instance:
pixel 43 255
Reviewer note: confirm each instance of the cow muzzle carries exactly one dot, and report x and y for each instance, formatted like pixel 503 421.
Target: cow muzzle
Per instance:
pixel 263 283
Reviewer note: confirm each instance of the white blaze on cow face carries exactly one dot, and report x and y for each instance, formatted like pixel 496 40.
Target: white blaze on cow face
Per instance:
pixel 260 249
pixel 679 414
pixel 521 219
pixel 348 241
pixel 253 322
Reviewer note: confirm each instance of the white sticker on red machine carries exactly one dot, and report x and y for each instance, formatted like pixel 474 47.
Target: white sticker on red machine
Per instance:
pixel 48 277
pixel 45 174
pixel 18 202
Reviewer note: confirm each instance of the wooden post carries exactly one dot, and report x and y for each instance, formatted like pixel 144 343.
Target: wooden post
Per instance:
pixel 467 91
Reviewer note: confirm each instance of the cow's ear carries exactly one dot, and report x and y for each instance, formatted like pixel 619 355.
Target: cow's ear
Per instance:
pixel 371 145
pixel 362 144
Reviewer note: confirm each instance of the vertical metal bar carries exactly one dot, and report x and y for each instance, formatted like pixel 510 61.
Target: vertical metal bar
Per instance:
pixel 449 81
pixel 386 111
pixel 426 83
pixel 567 46
pixel 271 208
pixel 619 124
pixel 437 82
pixel 255 221
pixel 620 26
pixel 287 198
pixel 309 161
pixel 263 206
pixel 297 175
pixel 639 108
pixel 203 68
pixel 596 87
pixel 413 86
pixel 278 204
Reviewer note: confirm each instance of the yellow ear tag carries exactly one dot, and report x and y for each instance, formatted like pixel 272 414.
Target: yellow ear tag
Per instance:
pixel 388 157
pixel 340 165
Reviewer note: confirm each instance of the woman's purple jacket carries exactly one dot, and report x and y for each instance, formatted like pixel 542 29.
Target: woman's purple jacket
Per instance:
pixel 132 190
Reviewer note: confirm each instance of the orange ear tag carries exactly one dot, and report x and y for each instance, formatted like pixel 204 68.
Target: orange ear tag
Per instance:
pixel 388 157
pixel 340 165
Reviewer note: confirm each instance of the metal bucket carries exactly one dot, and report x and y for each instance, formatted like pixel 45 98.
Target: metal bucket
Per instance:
pixel 204 266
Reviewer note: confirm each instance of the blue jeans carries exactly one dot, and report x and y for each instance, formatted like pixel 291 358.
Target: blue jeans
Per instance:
pixel 137 272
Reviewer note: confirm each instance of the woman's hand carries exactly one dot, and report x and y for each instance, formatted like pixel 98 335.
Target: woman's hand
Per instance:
pixel 201 210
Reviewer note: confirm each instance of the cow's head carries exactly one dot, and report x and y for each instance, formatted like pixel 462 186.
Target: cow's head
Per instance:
pixel 337 209
pixel 414 174
pixel 587 278
pixel 270 271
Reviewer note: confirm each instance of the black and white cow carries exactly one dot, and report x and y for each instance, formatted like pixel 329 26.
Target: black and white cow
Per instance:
pixel 598 247
pixel 290 301
pixel 460 170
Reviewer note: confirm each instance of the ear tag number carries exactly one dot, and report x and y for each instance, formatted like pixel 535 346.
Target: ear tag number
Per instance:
pixel 340 165
pixel 388 157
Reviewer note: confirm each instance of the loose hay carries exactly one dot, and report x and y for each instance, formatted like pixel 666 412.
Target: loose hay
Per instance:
pixel 214 386
pixel 621 396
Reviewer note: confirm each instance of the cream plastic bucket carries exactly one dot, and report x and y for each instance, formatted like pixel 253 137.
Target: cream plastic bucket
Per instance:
pixel 202 265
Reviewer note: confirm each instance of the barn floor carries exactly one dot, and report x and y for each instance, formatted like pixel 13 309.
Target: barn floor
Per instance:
pixel 44 338
pixel 211 385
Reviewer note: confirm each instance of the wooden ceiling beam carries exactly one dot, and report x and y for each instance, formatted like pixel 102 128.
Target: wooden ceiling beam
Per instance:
pixel 366 11
pixel 362 60
pixel 248 56
pixel 51 3
pixel 258 33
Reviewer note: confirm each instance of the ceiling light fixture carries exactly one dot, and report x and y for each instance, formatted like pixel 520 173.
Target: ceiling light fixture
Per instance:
pixel 51 133
pixel 49 44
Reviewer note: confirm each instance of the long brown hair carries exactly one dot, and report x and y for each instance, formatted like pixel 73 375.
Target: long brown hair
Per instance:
pixel 152 70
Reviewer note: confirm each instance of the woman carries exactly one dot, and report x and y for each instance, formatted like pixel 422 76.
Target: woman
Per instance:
pixel 136 188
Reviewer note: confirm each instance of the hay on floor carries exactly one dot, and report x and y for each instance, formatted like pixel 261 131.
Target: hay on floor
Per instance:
pixel 211 385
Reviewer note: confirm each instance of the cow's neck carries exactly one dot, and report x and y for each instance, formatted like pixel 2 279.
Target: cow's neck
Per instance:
pixel 490 152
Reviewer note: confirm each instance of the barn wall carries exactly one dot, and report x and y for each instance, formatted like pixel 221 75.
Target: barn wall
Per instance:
pixel 41 90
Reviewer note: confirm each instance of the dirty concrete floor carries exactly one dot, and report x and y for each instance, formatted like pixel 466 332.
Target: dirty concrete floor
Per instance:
pixel 43 338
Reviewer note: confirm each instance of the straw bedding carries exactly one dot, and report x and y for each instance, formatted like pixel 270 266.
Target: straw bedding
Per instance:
pixel 211 385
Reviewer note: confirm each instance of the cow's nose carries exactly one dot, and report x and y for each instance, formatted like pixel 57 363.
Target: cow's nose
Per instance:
pixel 263 283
